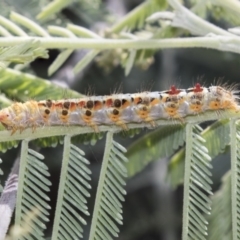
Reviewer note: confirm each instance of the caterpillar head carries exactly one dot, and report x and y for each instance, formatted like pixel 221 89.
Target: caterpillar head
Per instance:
pixel 5 118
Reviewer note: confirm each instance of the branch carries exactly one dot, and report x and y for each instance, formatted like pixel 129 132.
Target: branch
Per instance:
pixel 47 131
pixel 222 43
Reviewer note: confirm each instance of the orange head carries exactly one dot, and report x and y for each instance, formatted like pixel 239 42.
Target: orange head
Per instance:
pixel 4 118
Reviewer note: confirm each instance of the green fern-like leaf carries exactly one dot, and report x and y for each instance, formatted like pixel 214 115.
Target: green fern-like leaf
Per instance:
pixel 31 196
pixel 87 138
pixel 59 61
pixel 220 221
pixel 136 18
pixel 22 86
pixel 52 8
pixel 108 207
pixel 197 185
pixel 23 53
pixel 4 146
pixel 217 138
pixel 235 169
pixel 73 190
pixel 153 146
pixel 31 9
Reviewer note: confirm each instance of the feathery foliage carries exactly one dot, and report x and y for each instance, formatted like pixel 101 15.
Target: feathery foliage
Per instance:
pixel 197 185
pixel 136 18
pixel 32 187
pixel 22 86
pixel 22 53
pixel 108 206
pixel 220 221
pixel 4 146
pixel 88 138
pixel 235 168
pixel 217 138
pixel 52 8
pixel 72 193
pixel 153 146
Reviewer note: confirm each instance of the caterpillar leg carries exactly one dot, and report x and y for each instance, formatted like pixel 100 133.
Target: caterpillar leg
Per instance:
pixel 94 127
pixel 122 125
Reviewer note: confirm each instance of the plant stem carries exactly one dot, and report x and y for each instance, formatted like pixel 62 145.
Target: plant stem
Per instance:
pixel 217 42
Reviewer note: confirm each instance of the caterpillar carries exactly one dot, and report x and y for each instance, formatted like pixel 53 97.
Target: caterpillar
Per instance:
pixel 119 109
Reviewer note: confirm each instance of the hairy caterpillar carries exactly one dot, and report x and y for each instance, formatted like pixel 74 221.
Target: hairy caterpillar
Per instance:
pixel 119 109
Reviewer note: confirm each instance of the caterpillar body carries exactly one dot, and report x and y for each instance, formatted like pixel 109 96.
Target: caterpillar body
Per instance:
pixel 118 109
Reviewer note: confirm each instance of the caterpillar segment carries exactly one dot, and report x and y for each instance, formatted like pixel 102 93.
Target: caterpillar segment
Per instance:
pixel 175 104
pixel 119 109
pixel 197 99
pixel 220 98
pixel 86 112
pixel 31 115
pixel 141 108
